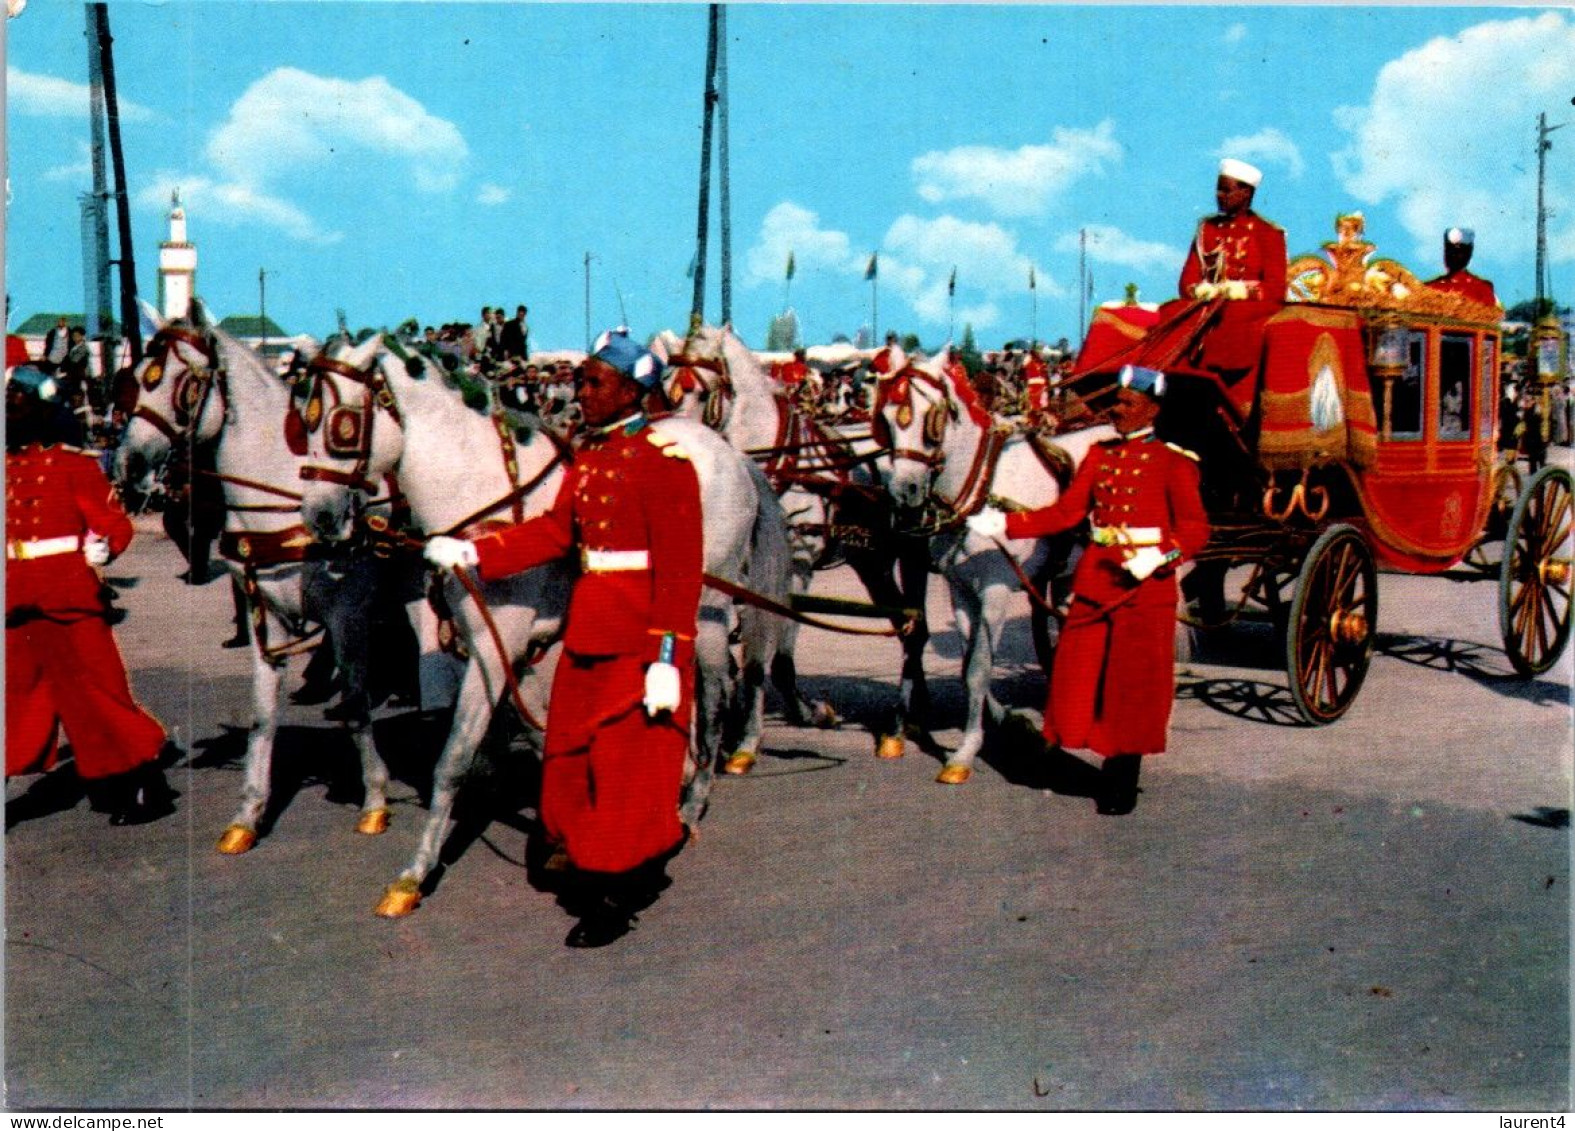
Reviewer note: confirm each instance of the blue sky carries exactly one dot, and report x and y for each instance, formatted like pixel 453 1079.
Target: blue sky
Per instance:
pixel 423 160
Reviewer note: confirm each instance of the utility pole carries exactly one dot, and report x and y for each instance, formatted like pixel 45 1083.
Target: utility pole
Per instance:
pixel 128 267
pixel 726 196
pixel 1082 280
pixel 702 226
pixel 101 312
pixel 262 309
pixel 1544 285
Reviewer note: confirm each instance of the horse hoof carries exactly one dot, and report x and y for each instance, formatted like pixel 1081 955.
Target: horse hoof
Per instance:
pixel 825 717
pixel 236 840
pixel 557 862
pixel 740 763
pixel 692 832
pixel 953 775
pixel 891 746
pixel 372 822
pixel 402 897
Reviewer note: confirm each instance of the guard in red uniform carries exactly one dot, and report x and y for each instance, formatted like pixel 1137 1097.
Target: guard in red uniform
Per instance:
pixel 1036 383
pixel 1239 256
pixel 889 358
pixel 1458 245
pixel 62 666
pixel 618 724
pixel 1112 682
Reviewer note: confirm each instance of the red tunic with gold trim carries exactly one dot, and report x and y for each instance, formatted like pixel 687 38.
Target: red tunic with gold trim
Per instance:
pixel 1242 248
pixel 630 506
pixel 1463 282
pixel 62 665
pixel 1112 682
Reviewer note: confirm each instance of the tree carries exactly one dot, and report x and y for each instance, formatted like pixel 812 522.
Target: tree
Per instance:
pixel 972 359
pixel 783 334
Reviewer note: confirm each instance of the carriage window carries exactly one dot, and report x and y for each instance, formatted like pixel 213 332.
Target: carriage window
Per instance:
pixel 1405 393
pixel 1486 397
pixel 1454 386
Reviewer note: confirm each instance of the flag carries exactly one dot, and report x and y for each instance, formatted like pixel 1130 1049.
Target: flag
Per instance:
pixel 790 266
pixel 951 287
pixel 1033 283
pixel 694 265
pixel 873 269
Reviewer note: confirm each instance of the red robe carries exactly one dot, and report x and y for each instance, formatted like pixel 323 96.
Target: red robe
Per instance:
pixel 1463 282
pixel 62 665
pixel 612 774
pixel 1111 683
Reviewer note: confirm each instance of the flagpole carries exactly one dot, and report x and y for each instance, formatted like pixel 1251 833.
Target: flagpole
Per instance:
pixel 1033 324
pixel 1082 280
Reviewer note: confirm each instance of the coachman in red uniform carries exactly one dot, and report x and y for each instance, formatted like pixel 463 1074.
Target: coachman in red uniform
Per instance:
pixel 618 724
pixel 1239 256
pixel 1112 682
pixel 63 669
pixel 1458 245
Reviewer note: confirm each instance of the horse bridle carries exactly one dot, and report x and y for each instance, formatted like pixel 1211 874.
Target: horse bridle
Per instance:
pixel 191 389
pixel 683 368
pixel 347 428
pixel 896 387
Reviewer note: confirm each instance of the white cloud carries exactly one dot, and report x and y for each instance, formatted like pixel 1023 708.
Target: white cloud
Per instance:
pixel 290 120
pixel 45 96
pixel 238 204
pixel 78 170
pixel 1017 182
pixel 789 227
pixel 1448 134
pixel 918 255
pixel 1266 147
pixel 1235 33
pixel 1108 244
pixel 493 194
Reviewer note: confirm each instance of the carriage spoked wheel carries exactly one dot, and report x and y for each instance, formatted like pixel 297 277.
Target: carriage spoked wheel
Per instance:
pixel 1534 584
pixel 1332 623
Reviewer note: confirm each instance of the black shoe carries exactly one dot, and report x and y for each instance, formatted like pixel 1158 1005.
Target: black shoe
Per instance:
pixel 240 640
pixel 350 709
pixel 142 796
pixel 601 926
pixel 1118 785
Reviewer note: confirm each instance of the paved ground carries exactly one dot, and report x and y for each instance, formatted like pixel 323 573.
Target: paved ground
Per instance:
pixel 1373 915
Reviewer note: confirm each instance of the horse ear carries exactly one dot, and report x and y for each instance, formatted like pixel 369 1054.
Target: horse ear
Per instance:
pixel 150 314
pixel 198 314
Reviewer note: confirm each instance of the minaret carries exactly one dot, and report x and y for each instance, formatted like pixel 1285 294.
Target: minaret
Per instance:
pixel 177 265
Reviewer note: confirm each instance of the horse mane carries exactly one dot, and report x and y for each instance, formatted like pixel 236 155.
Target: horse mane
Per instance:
pixel 955 376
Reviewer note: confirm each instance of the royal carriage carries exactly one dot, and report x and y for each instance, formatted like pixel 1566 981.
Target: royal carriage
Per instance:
pixel 1358 434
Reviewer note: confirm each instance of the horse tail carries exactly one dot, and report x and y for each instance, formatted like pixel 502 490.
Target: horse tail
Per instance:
pixel 770 562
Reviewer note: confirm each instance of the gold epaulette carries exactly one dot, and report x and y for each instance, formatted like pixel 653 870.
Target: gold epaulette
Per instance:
pixel 1193 456
pixel 666 445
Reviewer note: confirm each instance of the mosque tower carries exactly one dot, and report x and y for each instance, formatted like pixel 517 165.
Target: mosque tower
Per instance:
pixel 177 265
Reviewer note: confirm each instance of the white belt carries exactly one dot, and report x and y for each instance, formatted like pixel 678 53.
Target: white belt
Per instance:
pixel 42 548
pixel 1128 536
pixel 614 561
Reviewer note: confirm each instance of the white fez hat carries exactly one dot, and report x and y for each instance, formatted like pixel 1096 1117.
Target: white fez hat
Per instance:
pixel 1241 171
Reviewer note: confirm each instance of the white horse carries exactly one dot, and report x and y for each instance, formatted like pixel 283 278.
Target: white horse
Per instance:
pixel 199 385
pixel 948 458
pixel 384 408
pixel 824 482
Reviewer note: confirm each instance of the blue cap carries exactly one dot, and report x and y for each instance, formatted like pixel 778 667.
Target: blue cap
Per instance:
pixel 1140 380
pixel 33 379
pixel 615 348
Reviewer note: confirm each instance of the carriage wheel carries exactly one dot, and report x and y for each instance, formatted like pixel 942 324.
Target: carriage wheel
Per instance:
pixel 1506 489
pixel 1534 585
pixel 1333 617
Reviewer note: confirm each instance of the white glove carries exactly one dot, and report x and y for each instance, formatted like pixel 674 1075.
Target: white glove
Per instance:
pixel 1205 290
pixel 988 523
pixel 95 548
pixel 1144 561
pixel 1235 289
pixel 450 553
pixel 661 688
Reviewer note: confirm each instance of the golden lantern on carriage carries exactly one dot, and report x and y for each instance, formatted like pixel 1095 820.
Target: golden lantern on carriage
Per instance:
pixel 1386 355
